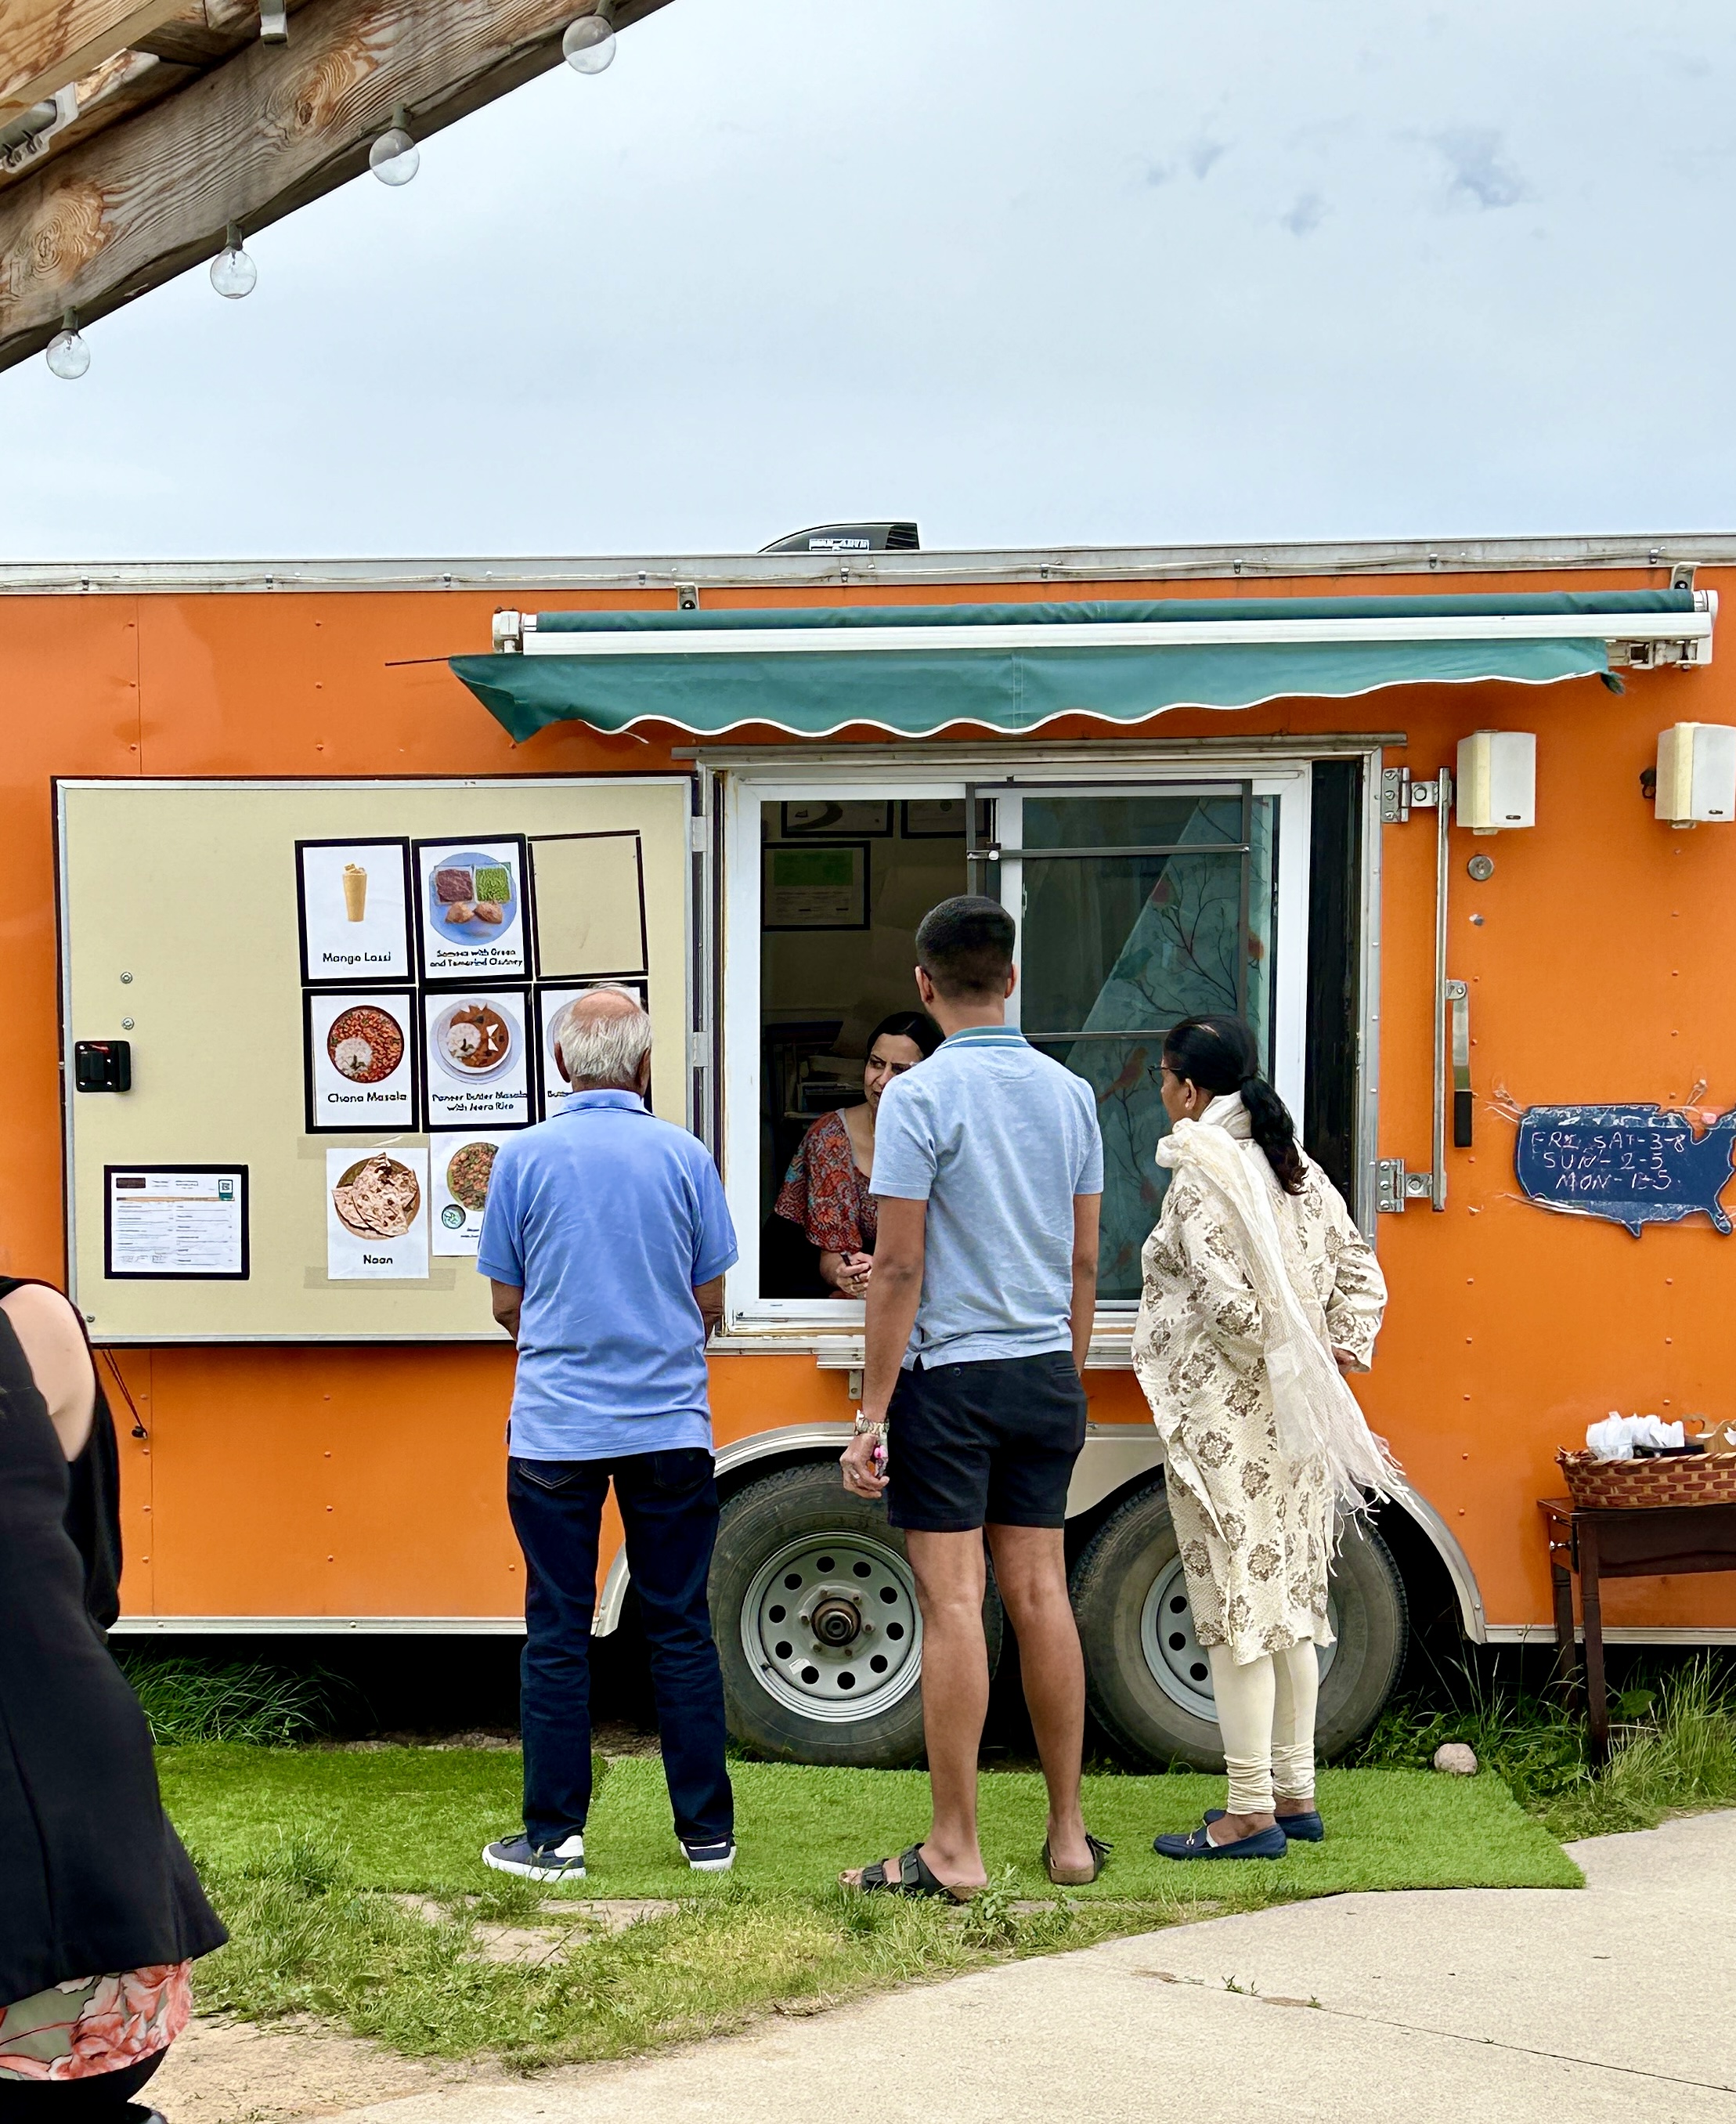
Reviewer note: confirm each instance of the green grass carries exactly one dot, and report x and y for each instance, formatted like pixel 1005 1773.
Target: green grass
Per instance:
pixel 1674 1751
pixel 298 1846
pixel 416 1818
pixel 195 1699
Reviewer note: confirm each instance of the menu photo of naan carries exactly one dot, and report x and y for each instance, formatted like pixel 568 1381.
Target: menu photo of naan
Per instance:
pixel 377 1214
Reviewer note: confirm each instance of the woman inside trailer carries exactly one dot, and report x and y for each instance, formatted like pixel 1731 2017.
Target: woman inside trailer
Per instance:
pixel 826 1191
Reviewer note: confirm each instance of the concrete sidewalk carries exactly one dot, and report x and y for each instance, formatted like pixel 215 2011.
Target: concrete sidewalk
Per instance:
pixel 1470 2005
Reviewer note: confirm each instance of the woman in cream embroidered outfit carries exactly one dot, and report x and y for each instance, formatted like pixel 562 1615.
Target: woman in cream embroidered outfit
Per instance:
pixel 1259 1292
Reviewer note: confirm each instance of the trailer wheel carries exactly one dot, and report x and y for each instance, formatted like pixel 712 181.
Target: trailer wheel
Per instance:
pixel 1146 1674
pixel 818 1631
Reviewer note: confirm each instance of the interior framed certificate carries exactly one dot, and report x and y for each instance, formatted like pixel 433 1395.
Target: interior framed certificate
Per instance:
pixel 178 1222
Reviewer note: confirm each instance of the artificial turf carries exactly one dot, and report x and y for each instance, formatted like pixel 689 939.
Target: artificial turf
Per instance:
pixel 417 1819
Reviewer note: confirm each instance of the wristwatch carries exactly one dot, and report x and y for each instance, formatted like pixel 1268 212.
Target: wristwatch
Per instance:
pixel 866 1429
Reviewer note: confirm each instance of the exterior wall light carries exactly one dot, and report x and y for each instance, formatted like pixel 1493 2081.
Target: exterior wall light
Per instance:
pixel 1497 781
pixel 1696 774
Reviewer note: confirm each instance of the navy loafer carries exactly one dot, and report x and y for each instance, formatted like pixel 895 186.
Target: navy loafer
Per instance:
pixel 1298 1828
pixel 1197 1843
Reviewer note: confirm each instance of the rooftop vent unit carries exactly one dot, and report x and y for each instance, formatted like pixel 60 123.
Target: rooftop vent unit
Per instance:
pixel 850 538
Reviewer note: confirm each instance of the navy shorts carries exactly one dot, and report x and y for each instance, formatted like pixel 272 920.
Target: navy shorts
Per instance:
pixel 985 1445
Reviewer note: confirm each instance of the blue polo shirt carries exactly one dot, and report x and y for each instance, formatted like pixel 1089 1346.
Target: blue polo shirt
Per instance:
pixel 997 1139
pixel 606 1217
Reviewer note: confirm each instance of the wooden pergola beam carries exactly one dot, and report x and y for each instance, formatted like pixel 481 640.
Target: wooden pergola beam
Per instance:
pixel 271 129
pixel 46 43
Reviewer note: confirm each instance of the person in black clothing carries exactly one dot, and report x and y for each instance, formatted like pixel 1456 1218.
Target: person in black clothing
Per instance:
pixel 101 1912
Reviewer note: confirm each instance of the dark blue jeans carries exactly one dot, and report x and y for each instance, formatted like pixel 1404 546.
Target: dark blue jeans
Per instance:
pixel 669 1506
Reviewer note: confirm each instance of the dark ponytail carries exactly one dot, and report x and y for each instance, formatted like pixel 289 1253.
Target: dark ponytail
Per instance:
pixel 1220 1055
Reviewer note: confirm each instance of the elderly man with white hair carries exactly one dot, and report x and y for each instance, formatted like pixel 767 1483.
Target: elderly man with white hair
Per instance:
pixel 606 1238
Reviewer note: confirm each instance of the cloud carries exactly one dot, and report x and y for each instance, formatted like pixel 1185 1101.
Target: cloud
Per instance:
pixel 1306 216
pixel 1198 158
pixel 1203 153
pixel 1478 170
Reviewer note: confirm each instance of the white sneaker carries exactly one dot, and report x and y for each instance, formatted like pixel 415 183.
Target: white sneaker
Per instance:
pixel 555 1863
pixel 711 1857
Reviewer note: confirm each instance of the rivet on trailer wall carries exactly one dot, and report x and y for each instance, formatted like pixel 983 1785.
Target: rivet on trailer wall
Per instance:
pixel 1695 782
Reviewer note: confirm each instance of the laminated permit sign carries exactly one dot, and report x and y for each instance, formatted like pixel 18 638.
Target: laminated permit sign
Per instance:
pixel 470 909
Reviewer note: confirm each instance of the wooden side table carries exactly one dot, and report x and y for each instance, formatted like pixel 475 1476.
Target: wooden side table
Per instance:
pixel 1628 1542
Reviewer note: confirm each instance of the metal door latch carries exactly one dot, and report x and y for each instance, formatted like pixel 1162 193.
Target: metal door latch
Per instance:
pixel 1396 1189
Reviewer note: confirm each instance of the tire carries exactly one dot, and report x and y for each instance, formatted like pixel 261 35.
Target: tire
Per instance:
pixel 820 1701
pixel 1134 1625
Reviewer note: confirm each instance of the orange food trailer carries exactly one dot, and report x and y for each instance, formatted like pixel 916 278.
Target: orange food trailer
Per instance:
pixel 303 858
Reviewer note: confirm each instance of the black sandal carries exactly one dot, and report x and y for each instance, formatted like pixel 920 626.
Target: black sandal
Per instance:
pixel 1100 1852
pixel 915 1878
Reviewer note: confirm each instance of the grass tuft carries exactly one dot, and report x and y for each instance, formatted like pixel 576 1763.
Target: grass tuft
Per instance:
pixel 195 1699
pixel 1675 1750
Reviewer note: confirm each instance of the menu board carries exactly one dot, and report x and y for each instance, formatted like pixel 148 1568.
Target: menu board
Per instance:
pixel 376 1215
pixel 361 1060
pixel 462 1165
pixel 324 1066
pixel 190 1221
pixel 479 1058
pixel 353 900
pixel 470 909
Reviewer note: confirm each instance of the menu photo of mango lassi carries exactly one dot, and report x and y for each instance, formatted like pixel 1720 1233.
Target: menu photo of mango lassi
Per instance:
pixel 354 901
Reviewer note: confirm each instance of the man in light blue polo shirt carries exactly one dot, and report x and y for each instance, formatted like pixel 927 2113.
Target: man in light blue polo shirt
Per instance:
pixel 606 1238
pixel 988 1175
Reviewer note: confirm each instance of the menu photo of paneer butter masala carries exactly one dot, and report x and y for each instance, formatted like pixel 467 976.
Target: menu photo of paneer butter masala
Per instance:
pixel 469 910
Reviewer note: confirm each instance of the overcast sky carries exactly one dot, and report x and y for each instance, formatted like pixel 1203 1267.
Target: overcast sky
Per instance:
pixel 1118 271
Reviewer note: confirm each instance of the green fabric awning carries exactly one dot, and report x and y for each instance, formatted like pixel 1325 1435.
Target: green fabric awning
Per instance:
pixel 914 669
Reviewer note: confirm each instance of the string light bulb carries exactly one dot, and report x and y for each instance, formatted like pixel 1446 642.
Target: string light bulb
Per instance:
pixel 233 273
pixel 394 157
pixel 68 357
pixel 589 43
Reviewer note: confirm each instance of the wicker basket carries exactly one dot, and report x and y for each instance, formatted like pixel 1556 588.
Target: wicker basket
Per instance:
pixel 1699 1478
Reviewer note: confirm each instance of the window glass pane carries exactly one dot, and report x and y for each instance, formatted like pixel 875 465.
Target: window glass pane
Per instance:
pixel 1118 945
pixel 1124 1074
pixel 1141 818
pixel 1129 943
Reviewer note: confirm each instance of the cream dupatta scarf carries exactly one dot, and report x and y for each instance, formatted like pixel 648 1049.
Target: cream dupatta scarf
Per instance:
pixel 1316 1414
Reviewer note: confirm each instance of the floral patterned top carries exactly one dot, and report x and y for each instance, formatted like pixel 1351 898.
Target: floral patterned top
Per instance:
pixel 826 1191
pixel 89 2025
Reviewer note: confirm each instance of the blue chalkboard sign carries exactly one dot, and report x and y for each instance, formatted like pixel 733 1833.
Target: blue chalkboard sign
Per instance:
pixel 1633 1165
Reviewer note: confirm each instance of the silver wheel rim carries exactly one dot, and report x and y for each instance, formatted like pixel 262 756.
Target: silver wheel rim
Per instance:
pixel 1174 1655
pixel 831 1627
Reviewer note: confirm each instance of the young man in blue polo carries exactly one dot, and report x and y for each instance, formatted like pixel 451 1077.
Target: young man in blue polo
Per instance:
pixel 988 1174
pixel 606 1238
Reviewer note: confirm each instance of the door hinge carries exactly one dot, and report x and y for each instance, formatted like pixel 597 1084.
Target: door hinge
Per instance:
pixel 1396 1189
pixel 699 833
pixel 699 1051
pixel 1399 796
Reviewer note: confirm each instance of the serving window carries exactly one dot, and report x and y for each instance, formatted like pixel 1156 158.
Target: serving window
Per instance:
pixel 1138 897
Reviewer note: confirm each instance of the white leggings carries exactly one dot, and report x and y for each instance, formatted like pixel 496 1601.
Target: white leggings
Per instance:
pixel 1265 1714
